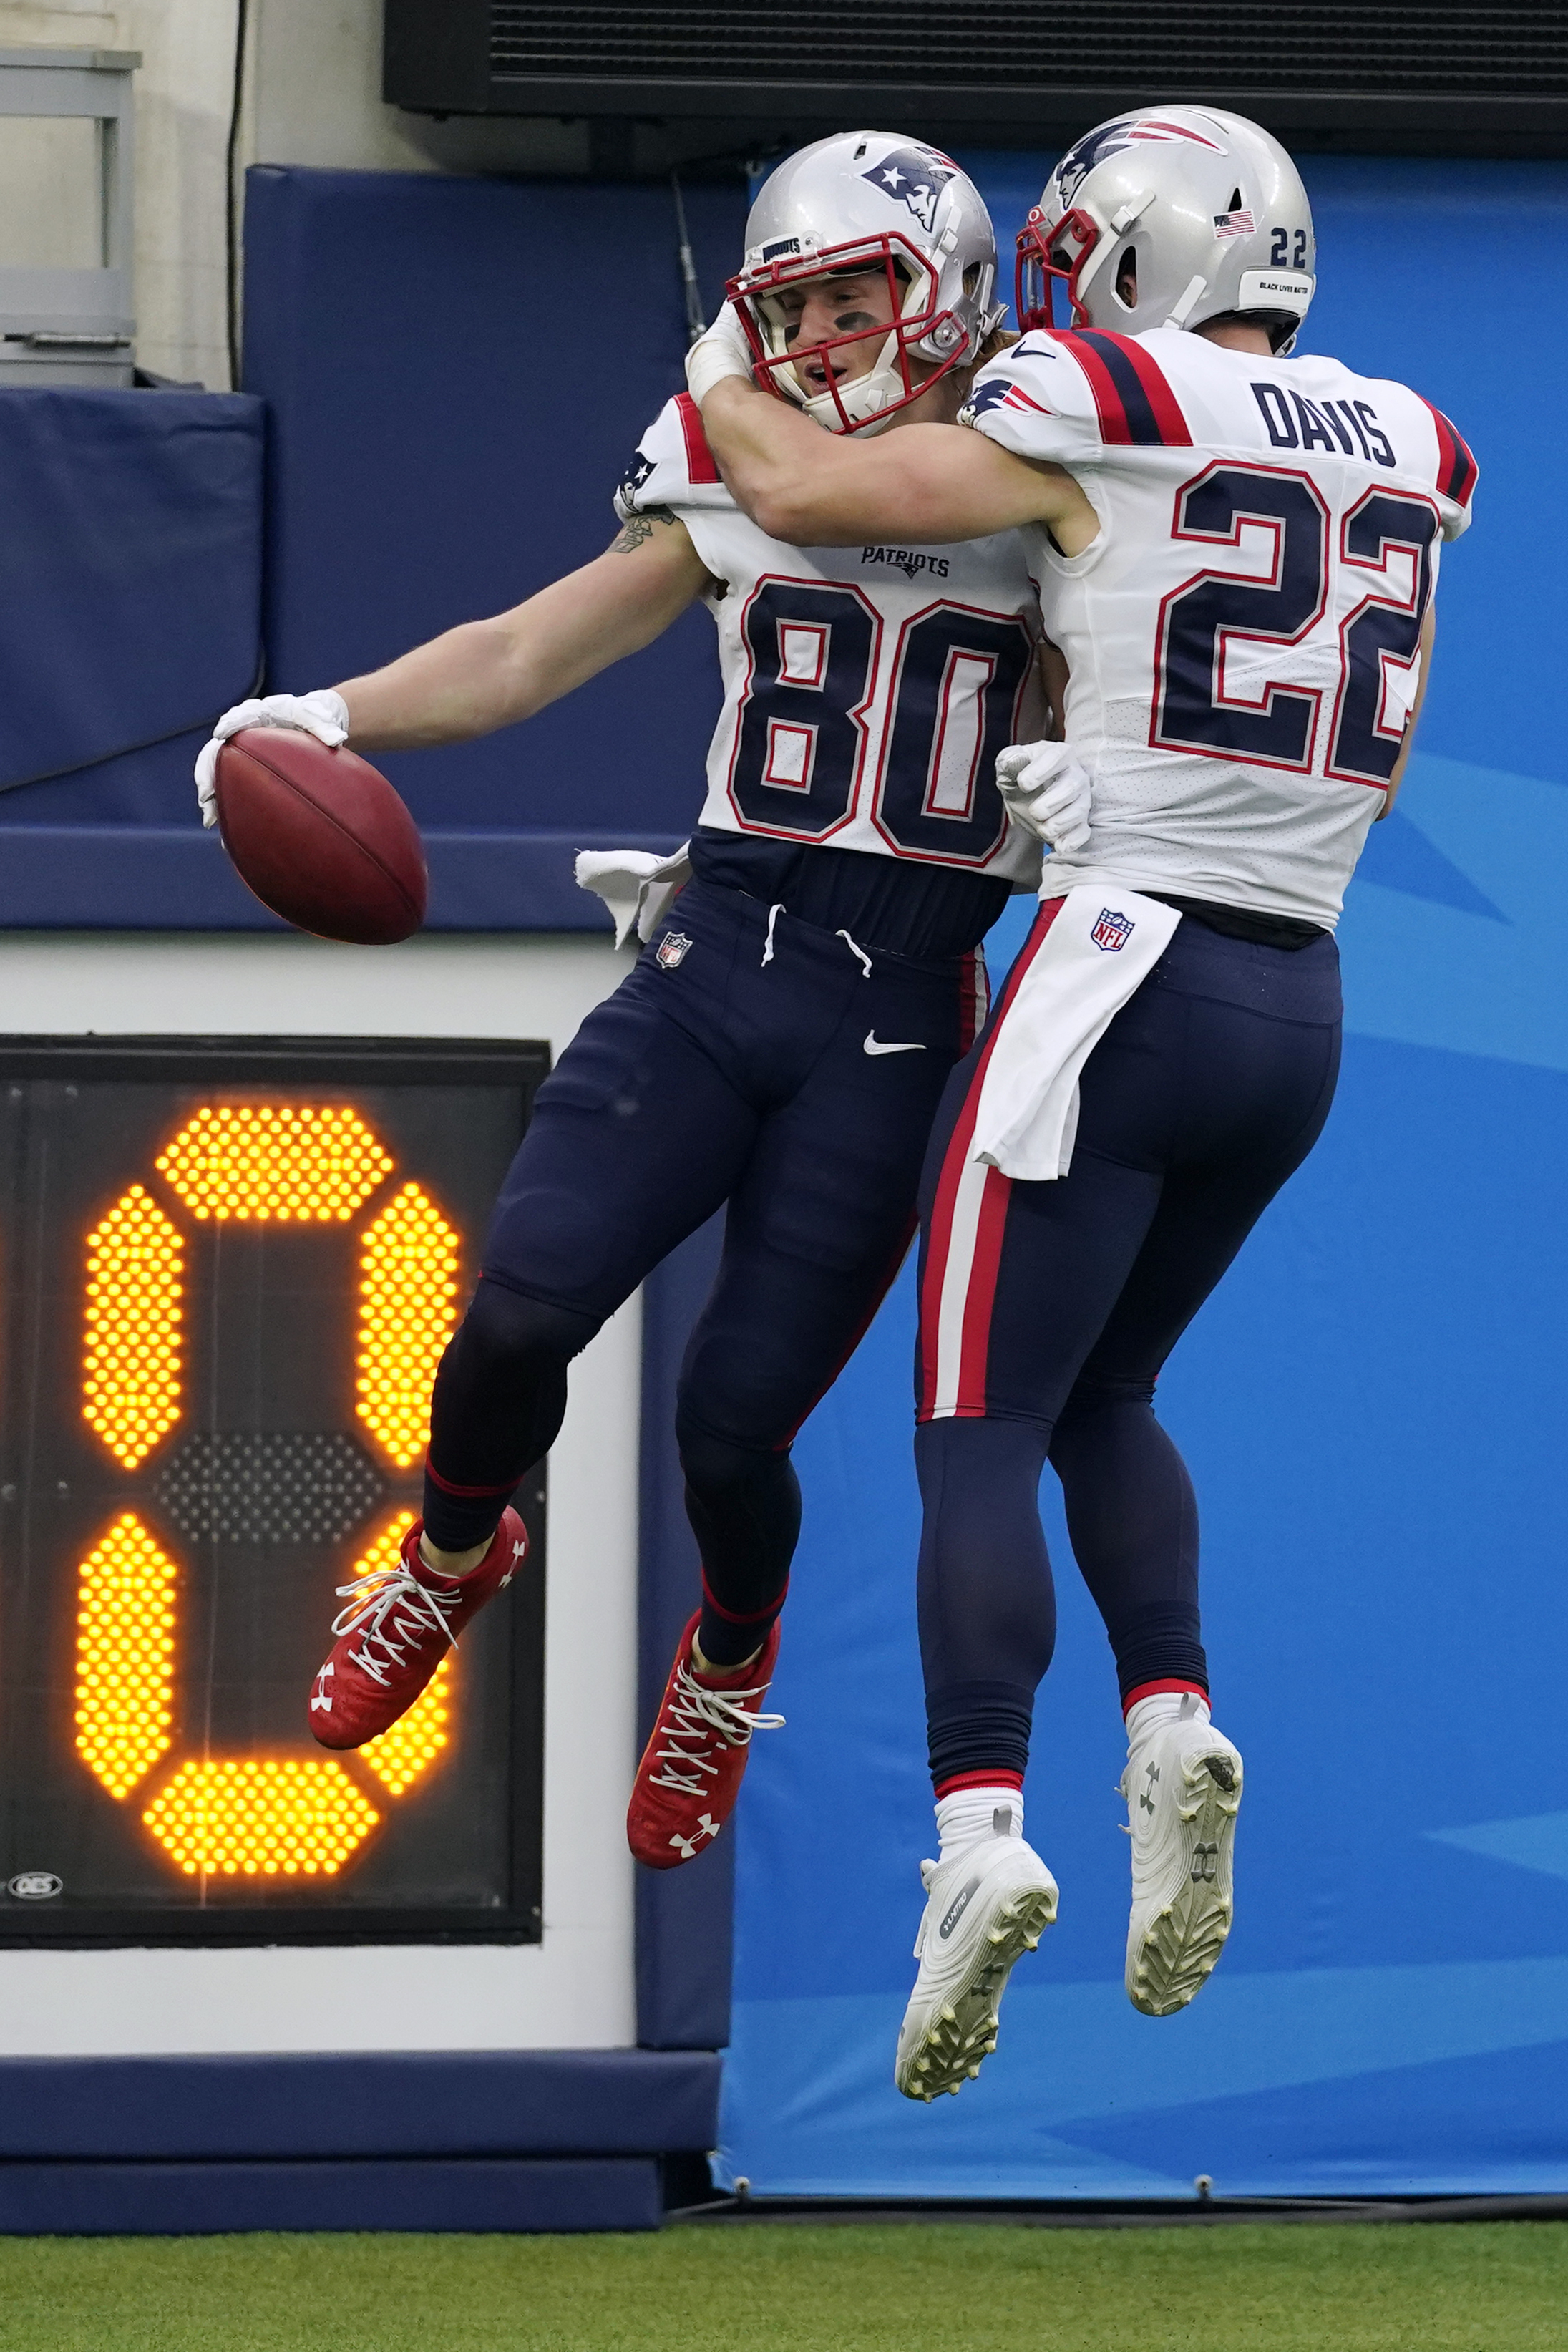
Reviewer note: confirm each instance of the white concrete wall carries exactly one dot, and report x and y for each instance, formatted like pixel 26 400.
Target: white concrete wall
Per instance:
pixel 182 96
pixel 576 1987
pixel 312 85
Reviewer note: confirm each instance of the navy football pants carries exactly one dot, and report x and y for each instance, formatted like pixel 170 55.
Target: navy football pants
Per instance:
pixel 747 1068
pixel 1047 1310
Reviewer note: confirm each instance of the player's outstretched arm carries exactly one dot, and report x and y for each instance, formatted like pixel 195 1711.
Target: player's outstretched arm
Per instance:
pixel 920 485
pixel 1428 637
pixel 489 673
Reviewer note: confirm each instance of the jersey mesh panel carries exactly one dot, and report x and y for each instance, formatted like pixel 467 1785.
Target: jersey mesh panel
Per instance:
pixel 1434 49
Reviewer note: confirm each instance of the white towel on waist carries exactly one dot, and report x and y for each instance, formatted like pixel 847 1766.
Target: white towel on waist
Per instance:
pixel 1104 942
pixel 636 885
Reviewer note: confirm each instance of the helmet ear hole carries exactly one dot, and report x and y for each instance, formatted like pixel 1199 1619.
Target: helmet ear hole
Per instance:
pixel 1127 279
pixel 1235 200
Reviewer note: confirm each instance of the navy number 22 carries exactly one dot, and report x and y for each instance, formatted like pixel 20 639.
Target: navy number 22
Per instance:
pixel 1216 617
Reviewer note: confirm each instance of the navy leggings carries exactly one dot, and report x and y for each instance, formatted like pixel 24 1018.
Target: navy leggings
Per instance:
pixel 732 1068
pixel 1047 1316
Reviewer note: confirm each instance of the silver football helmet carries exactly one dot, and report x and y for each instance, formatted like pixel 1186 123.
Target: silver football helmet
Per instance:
pixel 870 201
pixel 1169 217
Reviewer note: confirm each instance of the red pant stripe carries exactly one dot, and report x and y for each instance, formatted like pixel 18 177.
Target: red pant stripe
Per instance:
pixel 963 1247
pixel 980 1295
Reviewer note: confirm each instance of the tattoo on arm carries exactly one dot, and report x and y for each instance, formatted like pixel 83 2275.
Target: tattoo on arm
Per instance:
pixel 638 528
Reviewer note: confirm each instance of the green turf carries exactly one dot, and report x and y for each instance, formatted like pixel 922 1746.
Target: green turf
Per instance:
pixel 951 2287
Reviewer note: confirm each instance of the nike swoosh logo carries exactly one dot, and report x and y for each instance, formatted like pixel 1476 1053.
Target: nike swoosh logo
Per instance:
pixel 873 1045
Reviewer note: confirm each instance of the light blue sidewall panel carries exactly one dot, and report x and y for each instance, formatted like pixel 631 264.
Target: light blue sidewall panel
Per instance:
pixel 1373 1408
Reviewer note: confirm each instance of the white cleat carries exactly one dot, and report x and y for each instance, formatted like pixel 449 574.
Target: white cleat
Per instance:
pixel 1183 1787
pixel 985 1909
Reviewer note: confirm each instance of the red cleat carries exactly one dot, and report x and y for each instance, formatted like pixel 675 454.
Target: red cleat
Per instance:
pixel 397 1626
pixel 689 1776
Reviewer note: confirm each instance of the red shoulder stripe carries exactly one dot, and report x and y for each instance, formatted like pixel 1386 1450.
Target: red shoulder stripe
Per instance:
pixel 1135 406
pixel 1457 470
pixel 700 466
pixel 1112 416
pixel 1162 400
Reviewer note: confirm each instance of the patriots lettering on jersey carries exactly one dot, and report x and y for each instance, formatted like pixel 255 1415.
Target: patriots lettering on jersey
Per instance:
pixel 914 180
pixel 909 561
pixel 1294 422
pixel 867 689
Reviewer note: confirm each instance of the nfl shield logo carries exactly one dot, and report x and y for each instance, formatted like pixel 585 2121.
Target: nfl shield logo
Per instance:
pixel 1111 931
pixel 673 947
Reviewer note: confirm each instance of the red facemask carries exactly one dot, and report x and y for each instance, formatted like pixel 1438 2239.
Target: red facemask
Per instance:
pixel 903 266
pixel 1046 253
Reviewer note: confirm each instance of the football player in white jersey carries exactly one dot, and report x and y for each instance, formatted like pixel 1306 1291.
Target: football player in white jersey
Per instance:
pixel 783 1040
pixel 1237 552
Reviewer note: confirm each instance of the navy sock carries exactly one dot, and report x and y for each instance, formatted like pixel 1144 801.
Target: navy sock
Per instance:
pixel 1133 1519
pixel 500 1394
pixel 744 1503
pixel 988 1607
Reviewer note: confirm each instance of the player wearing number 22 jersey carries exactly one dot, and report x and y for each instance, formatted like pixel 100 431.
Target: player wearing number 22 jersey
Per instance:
pixel 1237 552
pixel 1242 635
pixel 809 970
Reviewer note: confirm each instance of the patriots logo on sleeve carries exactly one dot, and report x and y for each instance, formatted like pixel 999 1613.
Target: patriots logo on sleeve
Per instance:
pixel 910 178
pixel 985 397
pixel 636 473
pixel 1000 394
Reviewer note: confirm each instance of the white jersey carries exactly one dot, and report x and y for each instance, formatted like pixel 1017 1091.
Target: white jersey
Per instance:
pixel 1242 635
pixel 867 690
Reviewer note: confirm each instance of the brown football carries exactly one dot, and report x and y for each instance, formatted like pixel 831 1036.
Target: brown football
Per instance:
pixel 320 836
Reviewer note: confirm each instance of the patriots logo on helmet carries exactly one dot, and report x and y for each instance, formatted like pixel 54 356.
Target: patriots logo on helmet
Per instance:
pixel 1110 139
pixel 912 178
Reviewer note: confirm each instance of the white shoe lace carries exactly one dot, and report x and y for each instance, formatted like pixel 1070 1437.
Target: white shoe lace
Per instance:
pixel 698 1716
pixel 394 1612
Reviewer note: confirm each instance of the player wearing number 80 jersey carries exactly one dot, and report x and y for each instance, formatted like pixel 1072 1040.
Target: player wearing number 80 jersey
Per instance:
pixel 1237 552
pixel 867 690
pixel 811 971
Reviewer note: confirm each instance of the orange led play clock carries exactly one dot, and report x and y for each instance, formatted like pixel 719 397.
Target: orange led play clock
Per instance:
pixel 229 1271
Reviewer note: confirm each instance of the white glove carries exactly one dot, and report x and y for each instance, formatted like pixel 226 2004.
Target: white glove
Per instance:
pixel 1047 792
pixel 324 714
pixel 721 352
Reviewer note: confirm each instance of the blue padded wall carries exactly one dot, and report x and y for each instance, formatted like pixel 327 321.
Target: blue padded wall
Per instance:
pixel 453 375
pixel 1372 1407
pixel 130 616
pixel 456 374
